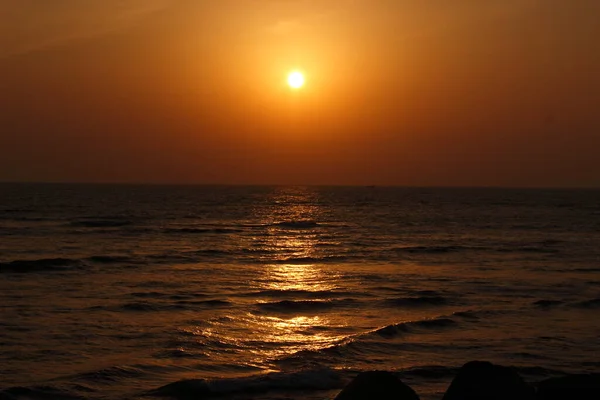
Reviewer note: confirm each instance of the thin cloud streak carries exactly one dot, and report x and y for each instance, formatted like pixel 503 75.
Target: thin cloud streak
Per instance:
pixel 31 25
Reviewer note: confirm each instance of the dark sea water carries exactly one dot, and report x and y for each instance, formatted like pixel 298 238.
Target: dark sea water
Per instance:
pixel 127 292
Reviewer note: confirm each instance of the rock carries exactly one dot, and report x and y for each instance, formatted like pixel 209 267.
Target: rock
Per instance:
pixel 577 387
pixel 479 380
pixel 377 385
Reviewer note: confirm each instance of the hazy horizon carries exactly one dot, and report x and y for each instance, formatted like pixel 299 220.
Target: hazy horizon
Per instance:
pixel 308 185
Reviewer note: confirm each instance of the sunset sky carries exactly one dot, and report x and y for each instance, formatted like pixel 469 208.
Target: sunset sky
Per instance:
pixel 397 92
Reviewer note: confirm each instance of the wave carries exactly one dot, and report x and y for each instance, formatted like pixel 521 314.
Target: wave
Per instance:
pixel 111 374
pixel 363 344
pixel 582 270
pixel 306 380
pixel 18 210
pixel 409 327
pixel 416 301
pixel 212 303
pixel 532 249
pixel 588 304
pixel 547 303
pixel 202 230
pixel 63 264
pixel 110 259
pixel 291 306
pixel 107 222
pixel 41 265
pixel 466 315
pixel 159 295
pixel 312 260
pixel 300 224
pixel 145 306
pixel 213 252
pixel 431 249
pixel 591 363
pixel 543 248
pixel 26 219
pixel 189 257
pixel 317 294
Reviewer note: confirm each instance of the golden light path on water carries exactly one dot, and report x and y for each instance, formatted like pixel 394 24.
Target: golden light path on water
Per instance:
pixel 300 332
pixel 271 334
pixel 294 301
pixel 265 337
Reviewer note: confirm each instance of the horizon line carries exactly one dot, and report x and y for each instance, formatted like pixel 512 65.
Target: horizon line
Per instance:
pixel 107 183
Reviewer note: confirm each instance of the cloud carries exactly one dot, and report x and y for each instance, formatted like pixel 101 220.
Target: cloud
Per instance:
pixel 29 25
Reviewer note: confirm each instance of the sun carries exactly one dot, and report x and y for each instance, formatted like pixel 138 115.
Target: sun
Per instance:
pixel 296 79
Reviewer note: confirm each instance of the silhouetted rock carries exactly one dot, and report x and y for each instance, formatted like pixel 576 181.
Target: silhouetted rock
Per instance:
pixel 377 385
pixel 478 380
pixel 577 387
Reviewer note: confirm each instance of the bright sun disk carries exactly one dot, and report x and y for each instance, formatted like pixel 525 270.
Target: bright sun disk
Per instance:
pixel 296 80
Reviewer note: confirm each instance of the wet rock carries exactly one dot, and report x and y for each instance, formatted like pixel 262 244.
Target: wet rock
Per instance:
pixel 479 380
pixel 579 387
pixel 377 385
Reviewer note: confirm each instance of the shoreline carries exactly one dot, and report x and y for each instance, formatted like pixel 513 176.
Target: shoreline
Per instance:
pixel 475 380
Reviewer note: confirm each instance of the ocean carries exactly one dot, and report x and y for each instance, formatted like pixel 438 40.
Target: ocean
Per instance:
pixel 275 292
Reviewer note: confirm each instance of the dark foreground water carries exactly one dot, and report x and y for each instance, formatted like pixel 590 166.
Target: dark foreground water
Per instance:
pixel 110 292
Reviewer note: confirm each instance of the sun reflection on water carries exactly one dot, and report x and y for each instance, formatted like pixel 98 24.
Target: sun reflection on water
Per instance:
pixel 297 277
pixel 301 330
pixel 294 234
pixel 292 293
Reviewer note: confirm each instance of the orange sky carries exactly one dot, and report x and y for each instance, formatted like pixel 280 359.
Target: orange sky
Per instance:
pixel 399 92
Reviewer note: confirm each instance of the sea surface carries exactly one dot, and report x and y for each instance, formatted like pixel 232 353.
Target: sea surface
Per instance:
pixel 142 292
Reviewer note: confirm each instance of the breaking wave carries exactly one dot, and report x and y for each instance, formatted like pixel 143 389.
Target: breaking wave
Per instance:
pixel 410 327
